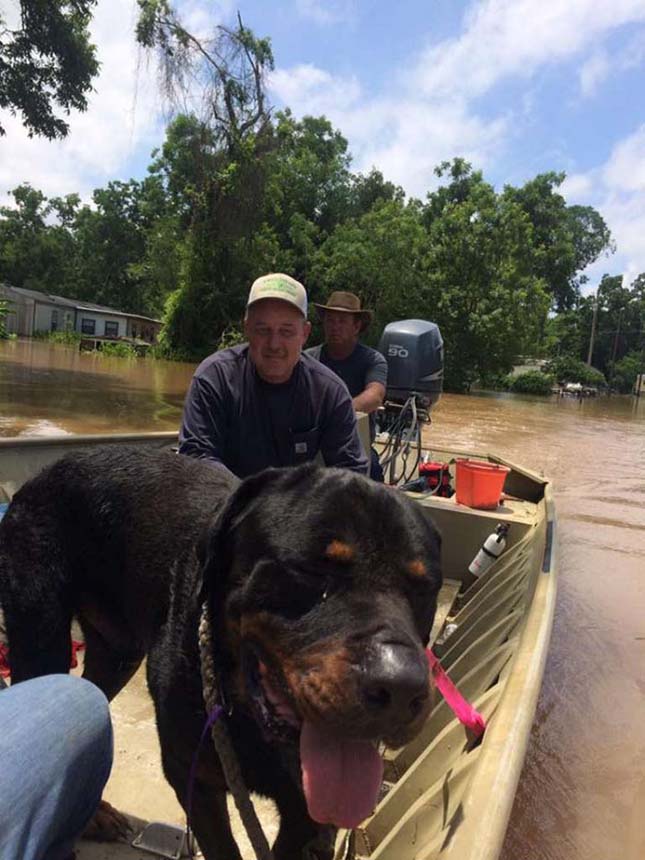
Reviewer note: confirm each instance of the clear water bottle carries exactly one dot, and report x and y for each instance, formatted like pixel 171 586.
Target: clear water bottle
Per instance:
pixel 492 548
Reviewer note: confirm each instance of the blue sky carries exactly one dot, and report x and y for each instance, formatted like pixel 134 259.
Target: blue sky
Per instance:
pixel 517 87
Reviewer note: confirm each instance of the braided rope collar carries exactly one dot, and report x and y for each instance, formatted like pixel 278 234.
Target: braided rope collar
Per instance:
pixel 223 747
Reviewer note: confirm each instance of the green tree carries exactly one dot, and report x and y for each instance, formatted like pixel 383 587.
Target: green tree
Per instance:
pixel 47 63
pixel 366 190
pixel 480 280
pixel 566 239
pixel 626 370
pixel 620 320
pixel 35 253
pixel 226 204
pixel 379 257
pixel 567 333
pixel 110 247
pixel 566 368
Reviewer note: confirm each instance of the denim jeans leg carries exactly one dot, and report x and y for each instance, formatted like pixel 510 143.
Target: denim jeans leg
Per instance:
pixel 55 758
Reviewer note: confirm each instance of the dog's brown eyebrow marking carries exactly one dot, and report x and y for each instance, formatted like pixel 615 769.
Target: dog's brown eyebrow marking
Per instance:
pixel 417 567
pixel 340 551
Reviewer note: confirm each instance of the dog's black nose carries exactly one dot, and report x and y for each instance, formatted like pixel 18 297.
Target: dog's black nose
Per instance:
pixel 395 681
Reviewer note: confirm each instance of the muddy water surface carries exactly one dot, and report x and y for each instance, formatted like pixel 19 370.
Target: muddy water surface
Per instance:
pixel 582 792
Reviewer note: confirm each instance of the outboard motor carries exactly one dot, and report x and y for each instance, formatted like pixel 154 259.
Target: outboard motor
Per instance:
pixel 413 350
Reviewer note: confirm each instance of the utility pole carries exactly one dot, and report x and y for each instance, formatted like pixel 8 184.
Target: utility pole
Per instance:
pixel 615 349
pixel 640 377
pixel 593 329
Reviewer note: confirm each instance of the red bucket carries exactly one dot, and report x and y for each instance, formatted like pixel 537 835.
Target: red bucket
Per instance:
pixel 479 484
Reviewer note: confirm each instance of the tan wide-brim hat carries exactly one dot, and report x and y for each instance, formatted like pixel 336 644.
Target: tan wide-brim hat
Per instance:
pixel 347 303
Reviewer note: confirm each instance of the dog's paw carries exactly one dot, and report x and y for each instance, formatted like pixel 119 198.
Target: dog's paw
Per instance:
pixel 107 825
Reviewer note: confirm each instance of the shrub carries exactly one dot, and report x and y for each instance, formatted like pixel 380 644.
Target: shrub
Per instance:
pixel 68 338
pixel 120 350
pixel 231 336
pixel 532 382
pixel 625 372
pixel 4 310
pixel 495 382
pixel 569 369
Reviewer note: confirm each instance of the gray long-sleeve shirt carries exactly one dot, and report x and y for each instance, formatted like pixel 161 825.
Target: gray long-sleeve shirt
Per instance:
pixel 235 419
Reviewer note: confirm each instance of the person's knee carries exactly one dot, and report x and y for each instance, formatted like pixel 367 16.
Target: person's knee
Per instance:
pixel 89 710
pixel 82 712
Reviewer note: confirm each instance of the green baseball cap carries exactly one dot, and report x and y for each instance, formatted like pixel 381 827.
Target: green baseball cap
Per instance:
pixel 279 286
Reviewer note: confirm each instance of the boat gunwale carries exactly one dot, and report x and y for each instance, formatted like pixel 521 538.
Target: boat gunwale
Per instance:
pixel 487 805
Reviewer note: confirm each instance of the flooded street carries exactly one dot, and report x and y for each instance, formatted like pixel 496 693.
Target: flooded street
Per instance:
pixel 582 792
pixel 49 389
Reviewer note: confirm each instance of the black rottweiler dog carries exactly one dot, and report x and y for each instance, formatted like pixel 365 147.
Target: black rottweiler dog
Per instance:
pixel 321 587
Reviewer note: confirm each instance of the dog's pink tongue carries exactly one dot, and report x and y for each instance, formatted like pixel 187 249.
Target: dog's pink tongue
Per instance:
pixel 341 778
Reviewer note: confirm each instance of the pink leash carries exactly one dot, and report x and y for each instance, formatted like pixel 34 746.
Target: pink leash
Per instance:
pixel 462 709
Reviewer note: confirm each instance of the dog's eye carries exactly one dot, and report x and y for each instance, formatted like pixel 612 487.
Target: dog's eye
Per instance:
pixel 307 593
pixel 286 591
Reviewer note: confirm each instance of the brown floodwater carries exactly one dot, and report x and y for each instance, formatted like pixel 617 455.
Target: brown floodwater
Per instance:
pixel 582 791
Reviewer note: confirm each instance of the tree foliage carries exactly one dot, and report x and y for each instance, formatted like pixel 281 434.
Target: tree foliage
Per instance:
pixel 531 382
pixel 570 369
pixel 619 329
pixel 4 310
pixel 47 63
pixel 237 190
pixel 482 286
pixel 566 239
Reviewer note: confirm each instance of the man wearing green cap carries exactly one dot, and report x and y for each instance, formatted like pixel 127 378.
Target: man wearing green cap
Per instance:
pixel 265 403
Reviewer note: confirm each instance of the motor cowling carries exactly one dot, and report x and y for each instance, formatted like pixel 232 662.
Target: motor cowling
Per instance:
pixel 413 350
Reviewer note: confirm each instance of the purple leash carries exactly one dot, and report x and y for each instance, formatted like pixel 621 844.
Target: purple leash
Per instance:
pixel 211 719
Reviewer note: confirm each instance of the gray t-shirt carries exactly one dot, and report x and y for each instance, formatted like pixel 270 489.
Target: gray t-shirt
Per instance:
pixel 363 366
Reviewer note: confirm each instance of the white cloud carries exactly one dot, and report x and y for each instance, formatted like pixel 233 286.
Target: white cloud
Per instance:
pixel 513 38
pixel 593 72
pixel 625 169
pixel 600 66
pixel 327 12
pixel 123 116
pixel 577 186
pixel 309 89
pixel 617 190
pixel 405 138
pixel 432 117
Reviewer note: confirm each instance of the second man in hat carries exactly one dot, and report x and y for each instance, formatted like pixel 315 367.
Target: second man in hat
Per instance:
pixel 362 369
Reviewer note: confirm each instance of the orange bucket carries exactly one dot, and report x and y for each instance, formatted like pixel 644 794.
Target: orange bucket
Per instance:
pixel 478 484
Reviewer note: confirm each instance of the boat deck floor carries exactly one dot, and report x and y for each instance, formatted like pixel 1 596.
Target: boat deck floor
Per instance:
pixel 137 786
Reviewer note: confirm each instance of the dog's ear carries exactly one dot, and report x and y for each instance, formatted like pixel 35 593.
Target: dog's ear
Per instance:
pixel 215 556
pixel 214 548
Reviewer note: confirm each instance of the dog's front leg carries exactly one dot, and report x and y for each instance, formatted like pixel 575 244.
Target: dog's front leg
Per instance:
pixel 209 817
pixel 211 825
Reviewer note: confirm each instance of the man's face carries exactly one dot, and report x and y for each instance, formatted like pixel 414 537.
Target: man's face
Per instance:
pixel 341 330
pixel 276 332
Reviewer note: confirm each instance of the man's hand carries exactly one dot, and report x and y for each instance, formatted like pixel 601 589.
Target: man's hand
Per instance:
pixel 370 399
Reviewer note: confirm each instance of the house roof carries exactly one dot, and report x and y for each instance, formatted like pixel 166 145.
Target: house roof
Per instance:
pixel 76 304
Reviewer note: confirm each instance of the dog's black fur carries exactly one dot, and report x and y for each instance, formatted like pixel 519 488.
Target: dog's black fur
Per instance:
pixel 325 580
